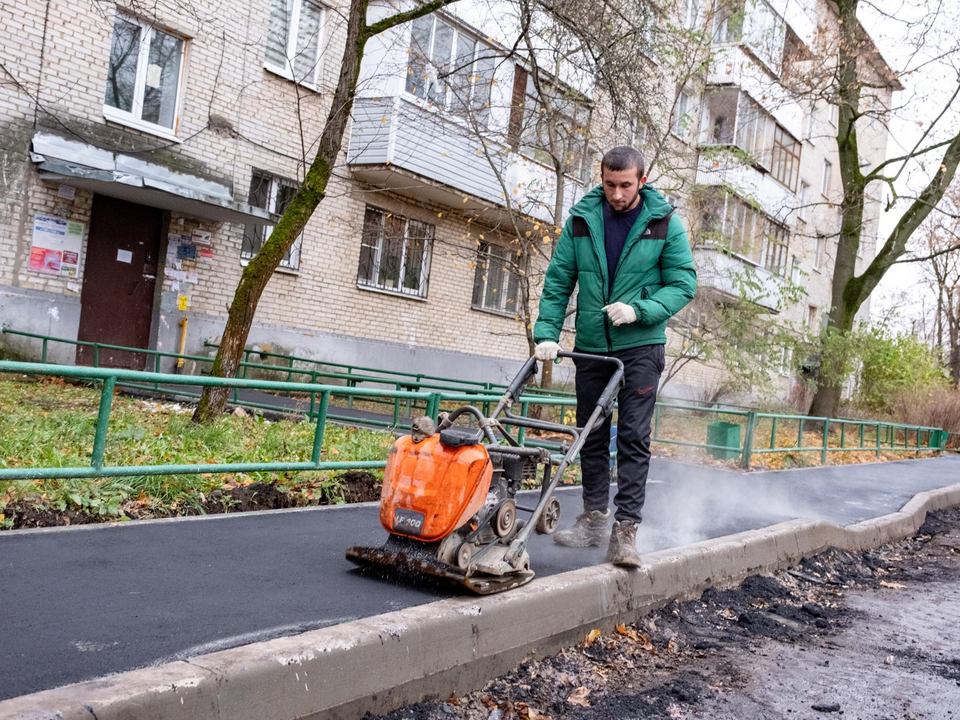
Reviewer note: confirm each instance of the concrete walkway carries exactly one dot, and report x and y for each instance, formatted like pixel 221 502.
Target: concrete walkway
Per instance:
pixel 79 603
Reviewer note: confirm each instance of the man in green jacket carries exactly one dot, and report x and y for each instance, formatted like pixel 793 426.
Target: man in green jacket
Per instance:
pixel 628 252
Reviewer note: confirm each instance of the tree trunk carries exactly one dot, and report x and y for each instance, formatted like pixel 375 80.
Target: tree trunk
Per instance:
pixel 260 269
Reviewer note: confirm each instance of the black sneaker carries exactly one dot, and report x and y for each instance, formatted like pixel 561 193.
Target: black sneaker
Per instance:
pixel 589 530
pixel 623 545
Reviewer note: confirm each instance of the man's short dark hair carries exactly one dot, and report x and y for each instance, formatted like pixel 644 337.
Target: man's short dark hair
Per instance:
pixel 624 157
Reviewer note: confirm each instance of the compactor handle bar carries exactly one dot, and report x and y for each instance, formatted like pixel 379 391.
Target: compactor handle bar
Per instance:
pixel 607 397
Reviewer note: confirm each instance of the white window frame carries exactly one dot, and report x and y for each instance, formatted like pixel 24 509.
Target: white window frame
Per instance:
pixel 638 133
pixel 804 200
pixel 677 128
pixel 133 117
pixel 691 13
pixel 819 252
pixel 826 182
pixel 480 47
pixel 296 249
pixel 424 284
pixel 292 34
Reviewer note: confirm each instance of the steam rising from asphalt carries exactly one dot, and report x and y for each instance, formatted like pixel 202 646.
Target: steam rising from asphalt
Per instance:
pixel 681 511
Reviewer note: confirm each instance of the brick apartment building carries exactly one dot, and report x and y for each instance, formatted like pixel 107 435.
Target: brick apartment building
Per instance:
pixel 146 151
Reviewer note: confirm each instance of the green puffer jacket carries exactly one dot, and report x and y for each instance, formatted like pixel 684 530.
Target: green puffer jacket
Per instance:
pixel 654 276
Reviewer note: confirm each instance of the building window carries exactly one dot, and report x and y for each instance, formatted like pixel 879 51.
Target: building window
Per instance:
pixel 145 75
pixel 741 230
pixel 395 253
pixel 727 21
pixel 496 284
pixel 833 114
pixel 719 121
pixel 690 14
pixel 812 317
pixel 826 184
pixel 295 40
pixel 755 129
pixel 531 127
pixel 776 246
pixel 681 116
pixel 273 194
pixel 638 133
pixel 810 128
pixel 803 207
pixel 449 68
pixel 819 253
pixel 785 158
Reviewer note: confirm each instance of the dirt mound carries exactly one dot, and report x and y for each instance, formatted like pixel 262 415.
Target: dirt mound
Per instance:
pixel 244 498
pixel 356 486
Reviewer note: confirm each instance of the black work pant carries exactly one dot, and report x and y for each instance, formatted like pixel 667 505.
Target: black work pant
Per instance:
pixel 642 367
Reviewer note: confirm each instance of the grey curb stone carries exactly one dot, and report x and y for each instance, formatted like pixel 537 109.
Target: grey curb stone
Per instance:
pixel 450 646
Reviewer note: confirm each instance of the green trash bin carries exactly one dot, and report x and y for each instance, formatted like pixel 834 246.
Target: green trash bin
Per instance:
pixel 727 437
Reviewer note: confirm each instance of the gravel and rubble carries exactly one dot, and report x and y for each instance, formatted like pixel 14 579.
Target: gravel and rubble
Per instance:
pixel 868 635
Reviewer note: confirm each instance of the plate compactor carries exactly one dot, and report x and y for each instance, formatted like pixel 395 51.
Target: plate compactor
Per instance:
pixel 449 491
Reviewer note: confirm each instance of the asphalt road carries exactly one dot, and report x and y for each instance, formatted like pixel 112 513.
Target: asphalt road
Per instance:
pixel 79 603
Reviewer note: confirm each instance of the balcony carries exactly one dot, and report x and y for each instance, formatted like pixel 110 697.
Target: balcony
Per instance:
pixel 732 277
pixel 736 66
pixel 721 167
pixel 400 144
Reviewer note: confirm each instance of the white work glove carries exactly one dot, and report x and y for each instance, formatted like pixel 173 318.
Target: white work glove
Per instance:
pixel 620 313
pixel 547 351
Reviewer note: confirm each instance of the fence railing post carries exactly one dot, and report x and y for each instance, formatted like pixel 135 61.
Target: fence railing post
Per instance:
pixel 748 441
pixel 878 440
pixel 320 427
pixel 826 440
pixel 433 405
pixel 103 422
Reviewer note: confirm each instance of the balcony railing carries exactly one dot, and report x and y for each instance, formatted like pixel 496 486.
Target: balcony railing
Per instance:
pixel 399 143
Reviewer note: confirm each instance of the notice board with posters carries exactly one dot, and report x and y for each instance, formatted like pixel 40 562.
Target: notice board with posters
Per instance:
pixel 56 246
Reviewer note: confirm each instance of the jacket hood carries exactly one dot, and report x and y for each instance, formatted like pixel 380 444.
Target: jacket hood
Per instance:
pixel 653 202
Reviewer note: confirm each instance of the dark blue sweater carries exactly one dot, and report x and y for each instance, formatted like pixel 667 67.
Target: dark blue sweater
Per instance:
pixel 616 228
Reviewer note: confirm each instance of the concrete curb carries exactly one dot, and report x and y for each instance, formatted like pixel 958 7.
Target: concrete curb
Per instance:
pixel 454 645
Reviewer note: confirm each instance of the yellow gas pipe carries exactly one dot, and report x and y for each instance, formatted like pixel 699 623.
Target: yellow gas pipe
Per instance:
pixel 183 340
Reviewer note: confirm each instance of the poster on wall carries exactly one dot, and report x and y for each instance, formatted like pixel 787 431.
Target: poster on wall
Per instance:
pixel 56 246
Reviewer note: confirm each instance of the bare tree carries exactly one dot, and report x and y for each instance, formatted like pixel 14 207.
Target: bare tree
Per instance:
pixel 847 83
pixel 262 266
pixel 940 254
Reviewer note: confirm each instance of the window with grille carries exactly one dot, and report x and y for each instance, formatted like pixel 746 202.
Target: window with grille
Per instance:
pixel 496 283
pixel 395 253
pixel 294 42
pixel 449 68
pixel 273 194
pixel 785 158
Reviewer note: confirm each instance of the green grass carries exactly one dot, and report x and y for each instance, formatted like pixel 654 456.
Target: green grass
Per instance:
pixel 51 424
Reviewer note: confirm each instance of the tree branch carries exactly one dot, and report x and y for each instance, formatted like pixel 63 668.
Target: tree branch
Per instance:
pixel 368 31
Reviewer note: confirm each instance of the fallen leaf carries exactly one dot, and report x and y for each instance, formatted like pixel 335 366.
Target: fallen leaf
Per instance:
pixel 627 632
pixel 893 585
pixel 579 696
pixel 591 638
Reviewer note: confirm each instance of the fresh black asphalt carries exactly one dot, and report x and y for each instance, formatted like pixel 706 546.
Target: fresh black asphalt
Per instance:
pixel 83 602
